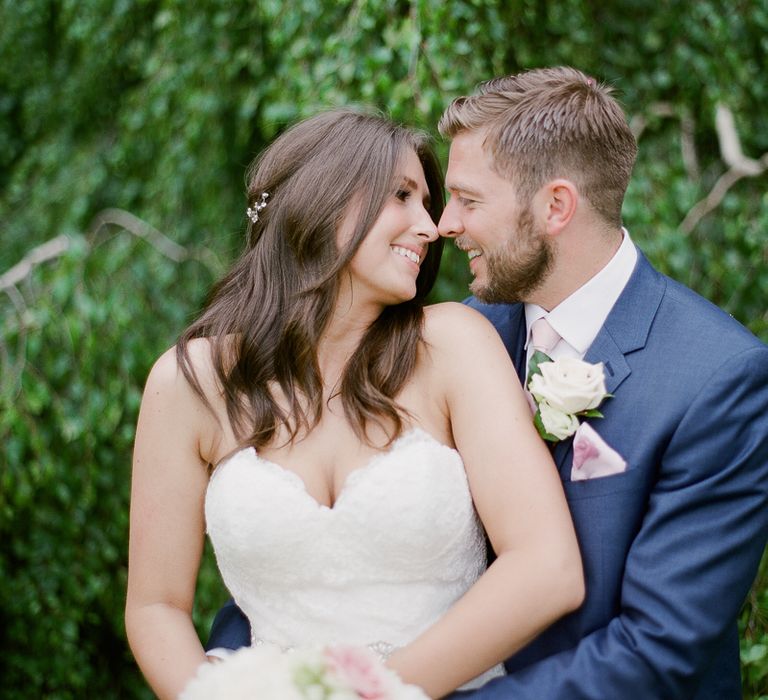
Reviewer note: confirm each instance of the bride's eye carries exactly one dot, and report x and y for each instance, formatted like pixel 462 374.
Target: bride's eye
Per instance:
pixel 403 194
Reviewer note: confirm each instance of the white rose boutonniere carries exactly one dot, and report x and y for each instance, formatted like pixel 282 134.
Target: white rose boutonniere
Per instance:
pixel 563 390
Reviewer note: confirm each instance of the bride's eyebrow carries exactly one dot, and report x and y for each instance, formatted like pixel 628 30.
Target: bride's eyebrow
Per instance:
pixel 408 182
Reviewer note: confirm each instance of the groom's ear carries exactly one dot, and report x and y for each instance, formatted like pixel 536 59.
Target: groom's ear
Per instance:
pixel 557 204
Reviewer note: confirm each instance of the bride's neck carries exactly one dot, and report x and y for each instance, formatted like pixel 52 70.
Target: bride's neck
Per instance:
pixel 341 339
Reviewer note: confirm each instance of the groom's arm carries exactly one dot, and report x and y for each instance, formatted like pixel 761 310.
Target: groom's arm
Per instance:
pixel 230 629
pixel 692 562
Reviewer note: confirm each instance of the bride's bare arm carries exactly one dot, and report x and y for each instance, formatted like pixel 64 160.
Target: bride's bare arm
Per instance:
pixel 166 530
pixel 537 576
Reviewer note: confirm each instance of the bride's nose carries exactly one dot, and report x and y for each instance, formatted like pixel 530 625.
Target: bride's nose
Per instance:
pixel 425 227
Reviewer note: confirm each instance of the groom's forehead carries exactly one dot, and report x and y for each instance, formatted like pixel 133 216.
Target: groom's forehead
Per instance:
pixel 469 148
pixel 468 160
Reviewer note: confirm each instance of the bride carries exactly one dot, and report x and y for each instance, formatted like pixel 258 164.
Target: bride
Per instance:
pixel 338 441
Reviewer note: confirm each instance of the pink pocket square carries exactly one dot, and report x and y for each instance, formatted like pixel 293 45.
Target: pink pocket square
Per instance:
pixel 593 457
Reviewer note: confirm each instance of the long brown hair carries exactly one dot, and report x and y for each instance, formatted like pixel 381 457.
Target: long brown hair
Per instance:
pixel 265 318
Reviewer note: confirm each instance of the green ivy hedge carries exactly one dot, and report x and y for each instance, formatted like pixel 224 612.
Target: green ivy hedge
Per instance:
pixel 156 106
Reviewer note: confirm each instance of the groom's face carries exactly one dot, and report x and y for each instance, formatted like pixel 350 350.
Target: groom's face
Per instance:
pixel 509 254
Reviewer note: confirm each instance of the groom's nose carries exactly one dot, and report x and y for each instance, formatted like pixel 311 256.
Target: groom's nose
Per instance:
pixel 450 224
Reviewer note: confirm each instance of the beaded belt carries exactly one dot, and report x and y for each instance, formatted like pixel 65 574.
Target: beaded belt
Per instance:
pixel 382 649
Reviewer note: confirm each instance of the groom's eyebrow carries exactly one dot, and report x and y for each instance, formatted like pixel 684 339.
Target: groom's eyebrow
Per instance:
pixel 464 189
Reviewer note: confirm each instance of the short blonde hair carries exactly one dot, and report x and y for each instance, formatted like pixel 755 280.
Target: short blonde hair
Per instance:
pixel 548 123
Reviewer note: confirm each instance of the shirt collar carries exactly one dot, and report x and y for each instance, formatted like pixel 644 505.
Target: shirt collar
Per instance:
pixel 579 318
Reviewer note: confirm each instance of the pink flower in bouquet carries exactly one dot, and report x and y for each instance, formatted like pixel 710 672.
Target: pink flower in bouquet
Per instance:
pixel 265 672
pixel 360 670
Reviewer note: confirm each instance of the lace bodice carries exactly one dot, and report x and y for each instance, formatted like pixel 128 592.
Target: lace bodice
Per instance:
pixel 399 546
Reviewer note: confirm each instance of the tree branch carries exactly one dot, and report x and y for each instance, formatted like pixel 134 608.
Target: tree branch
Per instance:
pixel 12 377
pixel 56 247
pixel 688 146
pixel 49 250
pixel 730 144
pixel 139 228
pixel 733 156
pixel 639 122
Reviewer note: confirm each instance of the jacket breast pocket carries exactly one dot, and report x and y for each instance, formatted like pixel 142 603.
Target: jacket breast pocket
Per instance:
pixel 629 480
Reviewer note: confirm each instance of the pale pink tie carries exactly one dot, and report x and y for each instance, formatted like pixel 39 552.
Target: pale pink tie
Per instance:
pixel 543 336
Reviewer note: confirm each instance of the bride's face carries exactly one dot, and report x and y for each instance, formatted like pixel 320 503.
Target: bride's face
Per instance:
pixel 384 269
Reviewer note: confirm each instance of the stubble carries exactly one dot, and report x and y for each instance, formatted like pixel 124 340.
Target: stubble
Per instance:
pixel 517 269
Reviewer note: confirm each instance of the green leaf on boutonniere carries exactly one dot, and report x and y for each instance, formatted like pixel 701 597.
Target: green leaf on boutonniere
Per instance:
pixel 537 359
pixel 542 430
pixel 592 413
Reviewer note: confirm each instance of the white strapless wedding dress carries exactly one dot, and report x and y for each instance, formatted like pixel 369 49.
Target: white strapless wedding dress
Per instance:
pixel 399 546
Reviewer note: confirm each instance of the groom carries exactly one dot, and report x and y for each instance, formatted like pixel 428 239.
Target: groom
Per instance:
pixel 671 540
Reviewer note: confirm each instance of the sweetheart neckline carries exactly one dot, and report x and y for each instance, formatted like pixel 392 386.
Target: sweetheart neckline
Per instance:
pixel 296 478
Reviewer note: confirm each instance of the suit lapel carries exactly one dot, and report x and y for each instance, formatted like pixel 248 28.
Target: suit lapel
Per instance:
pixel 615 367
pixel 616 370
pixel 517 349
pixel 625 331
pixel 512 331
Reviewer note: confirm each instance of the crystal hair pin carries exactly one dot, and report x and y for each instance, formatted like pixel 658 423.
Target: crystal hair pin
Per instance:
pixel 253 212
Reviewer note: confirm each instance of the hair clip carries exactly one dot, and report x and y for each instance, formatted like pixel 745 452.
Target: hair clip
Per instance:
pixel 253 212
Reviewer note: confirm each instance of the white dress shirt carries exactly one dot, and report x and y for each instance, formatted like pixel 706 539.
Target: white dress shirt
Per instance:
pixel 579 318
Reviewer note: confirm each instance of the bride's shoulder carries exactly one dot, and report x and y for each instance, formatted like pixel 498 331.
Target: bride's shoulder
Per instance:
pixel 182 389
pixel 457 337
pixel 168 377
pixel 452 325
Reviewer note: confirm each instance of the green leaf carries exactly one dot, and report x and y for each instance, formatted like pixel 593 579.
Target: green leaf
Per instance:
pixel 542 430
pixel 538 358
pixel 754 654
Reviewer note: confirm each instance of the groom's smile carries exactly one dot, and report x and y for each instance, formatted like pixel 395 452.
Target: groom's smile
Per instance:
pixel 508 254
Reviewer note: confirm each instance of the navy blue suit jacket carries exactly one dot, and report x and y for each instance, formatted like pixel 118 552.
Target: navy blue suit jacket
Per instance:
pixel 671 546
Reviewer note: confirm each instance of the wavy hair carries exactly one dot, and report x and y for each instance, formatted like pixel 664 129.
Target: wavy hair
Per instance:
pixel 265 318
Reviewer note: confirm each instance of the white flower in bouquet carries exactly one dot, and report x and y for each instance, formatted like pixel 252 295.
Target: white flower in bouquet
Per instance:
pixel 265 672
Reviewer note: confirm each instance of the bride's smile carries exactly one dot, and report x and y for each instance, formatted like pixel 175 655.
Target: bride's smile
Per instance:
pixel 384 268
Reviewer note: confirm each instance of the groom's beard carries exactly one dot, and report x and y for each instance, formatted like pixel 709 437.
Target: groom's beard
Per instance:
pixel 519 267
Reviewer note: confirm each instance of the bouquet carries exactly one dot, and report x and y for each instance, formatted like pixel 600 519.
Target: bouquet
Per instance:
pixel 265 672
